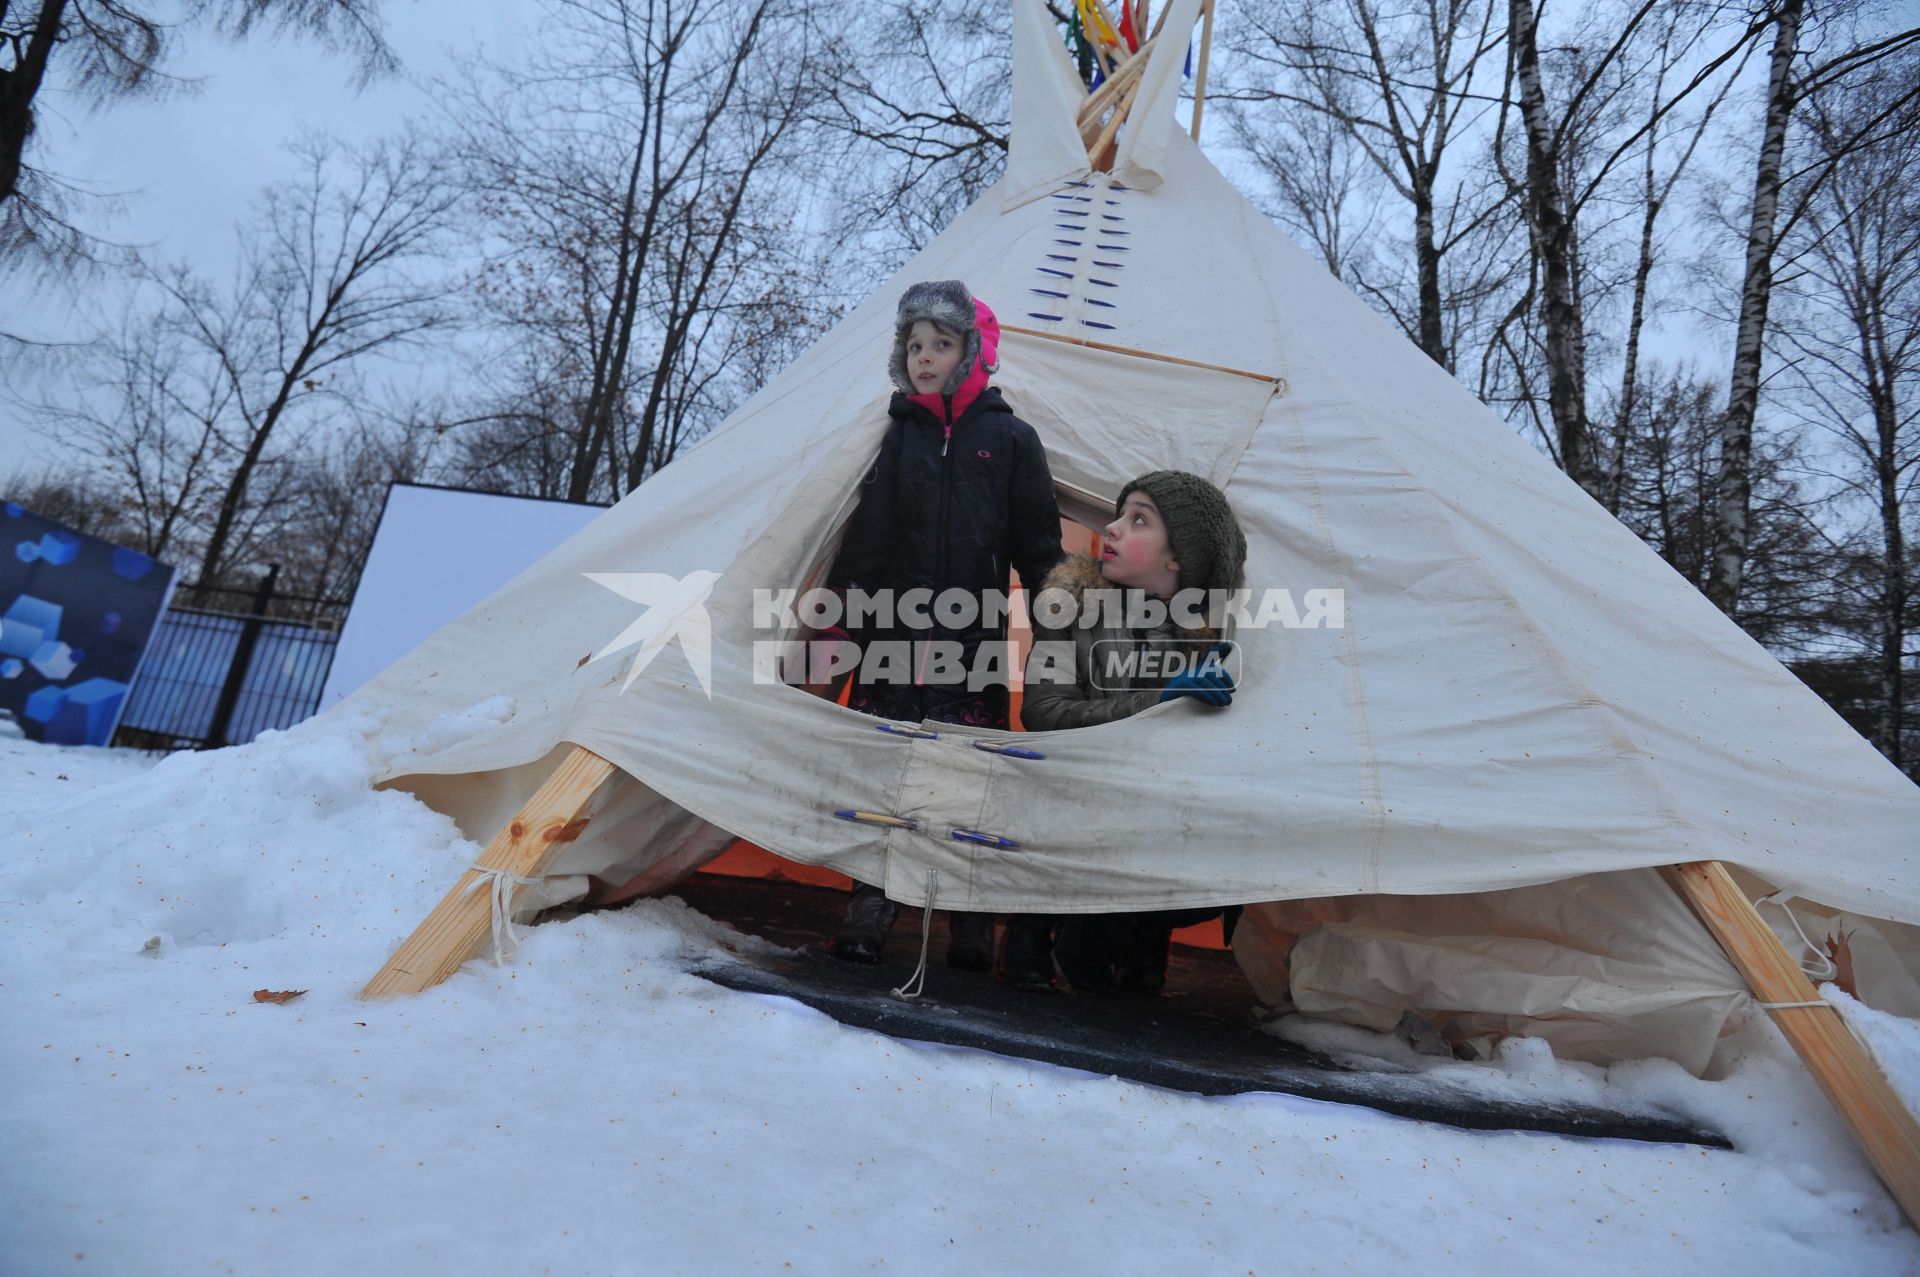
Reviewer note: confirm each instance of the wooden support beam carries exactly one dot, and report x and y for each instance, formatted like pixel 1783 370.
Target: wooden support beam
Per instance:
pixel 1200 72
pixel 1837 1060
pixel 1141 354
pixel 461 924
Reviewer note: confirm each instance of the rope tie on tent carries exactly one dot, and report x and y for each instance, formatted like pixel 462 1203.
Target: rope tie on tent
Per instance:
pixel 1824 968
pixel 1823 971
pixel 503 884
pixel 917 982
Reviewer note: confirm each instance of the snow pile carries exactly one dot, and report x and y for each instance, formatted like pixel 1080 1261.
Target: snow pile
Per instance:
pixel 595 1108
pixel 450 729
pixel 278 840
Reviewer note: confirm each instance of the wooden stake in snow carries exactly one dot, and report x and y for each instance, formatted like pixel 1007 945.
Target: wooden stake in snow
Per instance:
pixel 1837 1060
pixel 460 925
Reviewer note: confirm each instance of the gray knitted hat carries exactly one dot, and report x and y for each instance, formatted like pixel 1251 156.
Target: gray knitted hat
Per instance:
pixel 947 304
pixel 1205 538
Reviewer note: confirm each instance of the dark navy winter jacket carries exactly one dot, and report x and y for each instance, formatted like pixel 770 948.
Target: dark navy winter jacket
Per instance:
pixel 950 508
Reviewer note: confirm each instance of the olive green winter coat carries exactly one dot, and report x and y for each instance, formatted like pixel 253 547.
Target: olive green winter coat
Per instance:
pixel 1059 696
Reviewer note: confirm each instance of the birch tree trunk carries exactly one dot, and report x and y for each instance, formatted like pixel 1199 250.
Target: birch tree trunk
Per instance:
pixel 1552 232
pixel 1893 617
pixel 1848 333
pixel 1736 431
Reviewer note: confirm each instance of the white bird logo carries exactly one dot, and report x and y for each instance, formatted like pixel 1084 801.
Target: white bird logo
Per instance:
pixel 676 608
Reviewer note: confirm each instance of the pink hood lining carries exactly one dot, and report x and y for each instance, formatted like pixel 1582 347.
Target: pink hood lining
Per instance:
pixel 977 376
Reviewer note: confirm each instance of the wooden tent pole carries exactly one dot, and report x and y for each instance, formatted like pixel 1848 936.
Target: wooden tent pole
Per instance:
pixel 1119 82
pixel 460 925
pixel 1200 72
pixel 1108 346
pixel 1837 1060
pixel 1107 61
pixel 1101 153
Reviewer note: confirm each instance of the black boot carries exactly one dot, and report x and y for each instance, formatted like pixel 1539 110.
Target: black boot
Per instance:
pixel 864 932
pixel 1026 953
pixel 970 941
pixel 1085 946
pixel 1140 965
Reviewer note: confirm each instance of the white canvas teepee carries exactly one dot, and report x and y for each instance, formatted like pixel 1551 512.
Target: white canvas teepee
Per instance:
pixel 1522 693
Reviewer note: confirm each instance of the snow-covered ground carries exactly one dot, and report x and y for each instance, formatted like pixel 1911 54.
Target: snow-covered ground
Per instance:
pixel 595 1108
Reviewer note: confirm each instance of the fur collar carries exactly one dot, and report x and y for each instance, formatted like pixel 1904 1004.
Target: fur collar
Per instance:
pixel 1078 573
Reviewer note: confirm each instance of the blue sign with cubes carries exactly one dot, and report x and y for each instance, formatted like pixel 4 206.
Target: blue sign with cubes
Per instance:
pixel 75 616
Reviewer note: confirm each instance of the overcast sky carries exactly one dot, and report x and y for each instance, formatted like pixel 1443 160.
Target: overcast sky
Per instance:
pixel 191 165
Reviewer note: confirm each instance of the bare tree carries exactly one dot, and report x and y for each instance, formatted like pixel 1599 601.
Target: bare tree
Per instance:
pixel 151 426
pixel 67 497
pixel 340 489
pixel 521 439
pixel 721 247
pixel 1321 178
pixel 1411 89
pixel 1401 85
pixel 103 51
pixel 1575 117
pixel 1789 85
pixel 623 170
pixel 1680 34
pixel 1848 337
pixel 917 97
pixel 1669 499
pixel 338 267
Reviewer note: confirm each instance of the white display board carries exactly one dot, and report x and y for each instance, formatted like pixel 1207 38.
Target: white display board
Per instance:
pixel 437 553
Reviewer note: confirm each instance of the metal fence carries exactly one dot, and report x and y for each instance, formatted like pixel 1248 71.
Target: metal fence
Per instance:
pixel 215 676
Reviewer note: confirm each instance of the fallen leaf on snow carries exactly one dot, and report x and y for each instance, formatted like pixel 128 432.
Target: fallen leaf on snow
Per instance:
pixel 276 995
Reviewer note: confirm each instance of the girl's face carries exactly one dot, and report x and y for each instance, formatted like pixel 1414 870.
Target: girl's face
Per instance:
pixel 932 355
pixel 1134 552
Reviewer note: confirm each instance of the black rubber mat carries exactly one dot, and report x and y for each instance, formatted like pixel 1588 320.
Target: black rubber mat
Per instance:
pixel 1198 1036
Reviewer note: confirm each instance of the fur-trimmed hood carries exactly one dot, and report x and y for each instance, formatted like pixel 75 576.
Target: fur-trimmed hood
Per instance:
pixel 1061 690
pixel 1076 573
pixel 948 305
pixel 1079 574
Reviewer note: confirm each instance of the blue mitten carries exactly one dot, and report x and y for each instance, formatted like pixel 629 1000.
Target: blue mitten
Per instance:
pixel 1210 683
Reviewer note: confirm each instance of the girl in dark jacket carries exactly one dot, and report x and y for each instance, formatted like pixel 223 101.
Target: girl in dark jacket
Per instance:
pixel 959 494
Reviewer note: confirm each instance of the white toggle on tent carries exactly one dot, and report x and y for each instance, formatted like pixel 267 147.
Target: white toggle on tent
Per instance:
pixel 1464 791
